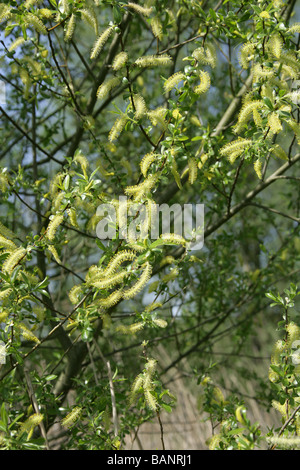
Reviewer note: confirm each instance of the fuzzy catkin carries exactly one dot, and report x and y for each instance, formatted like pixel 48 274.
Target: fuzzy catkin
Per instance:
pixel 157 28
pixel 14 258
pixel 53 225
pixel 140 106
pixel 117 128
pixel 139 9
pixel 106 87
pixel 100 42
pixel 173 81
pixel 16 43
pixel 117 260
pixel 154 61
pixel 119 61
pixel 204 83
pixel 72 417
pixel 140 284
pixel 148 159
pixel 70 28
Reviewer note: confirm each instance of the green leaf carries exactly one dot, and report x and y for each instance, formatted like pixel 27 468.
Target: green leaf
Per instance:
pixel 50 377
pixel 117 15
pixel 3 415
pixel 268 102
pixel 271 296
pixel 166 407
pixel 213 14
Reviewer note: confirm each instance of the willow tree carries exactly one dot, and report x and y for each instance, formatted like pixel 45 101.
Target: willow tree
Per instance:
pixel 162 102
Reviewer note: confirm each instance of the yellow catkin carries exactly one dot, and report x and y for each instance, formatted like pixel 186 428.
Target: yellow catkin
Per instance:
pixel 293 332
pixel 260 72
pixel 139 9
pixel 54 253
pixel 157 28
pixel 245 113
pixel 277 351
pixel 157 117
pixel 13 259
pixel 72 417
pixel 28 335
pixel 140 284
pixel 74 294
pixel 258 167
pixel 137 384
pixel 100 42
pixel 167 260
pixel 295 28
pixel 140 106
pixel 151 366
pixel 16 43
pixel 53 225
pixel 4 182
pixel 106 87
pixel 6 232
pixel 275 44
pixel 70 28
pixel 45 12
pixel 206 56
pixel 31 20
pixel 72 216
pixel 90 17
pixel 160 322
pixel 139 191
pixel 214 441
pixel 117 128
pixel 240 414
pixel 295 128
pixel 172 238
pixel 5 293
pixel 278 151
pixel 193 169
pixel 3 315
pixel 4 12
pixel 173 81
pixel 131 329
pixel 117 260
pixel 151 400
pixel 110 282
pixel 111 300
pixel 284 442
pixel 236 148
pixel 7 244
pixel 119 61
pixel 29 3
pixel 28 426
pixel 246 54
pixel 148 159
pixel 274 123
pixel 162 60
pixel 204 83
pixel 282 408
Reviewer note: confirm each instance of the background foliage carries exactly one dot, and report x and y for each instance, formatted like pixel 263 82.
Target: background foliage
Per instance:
pixel 166 102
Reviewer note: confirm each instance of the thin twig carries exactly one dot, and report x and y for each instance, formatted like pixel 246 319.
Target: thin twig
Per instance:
pixel 111 387
pixel 35 405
